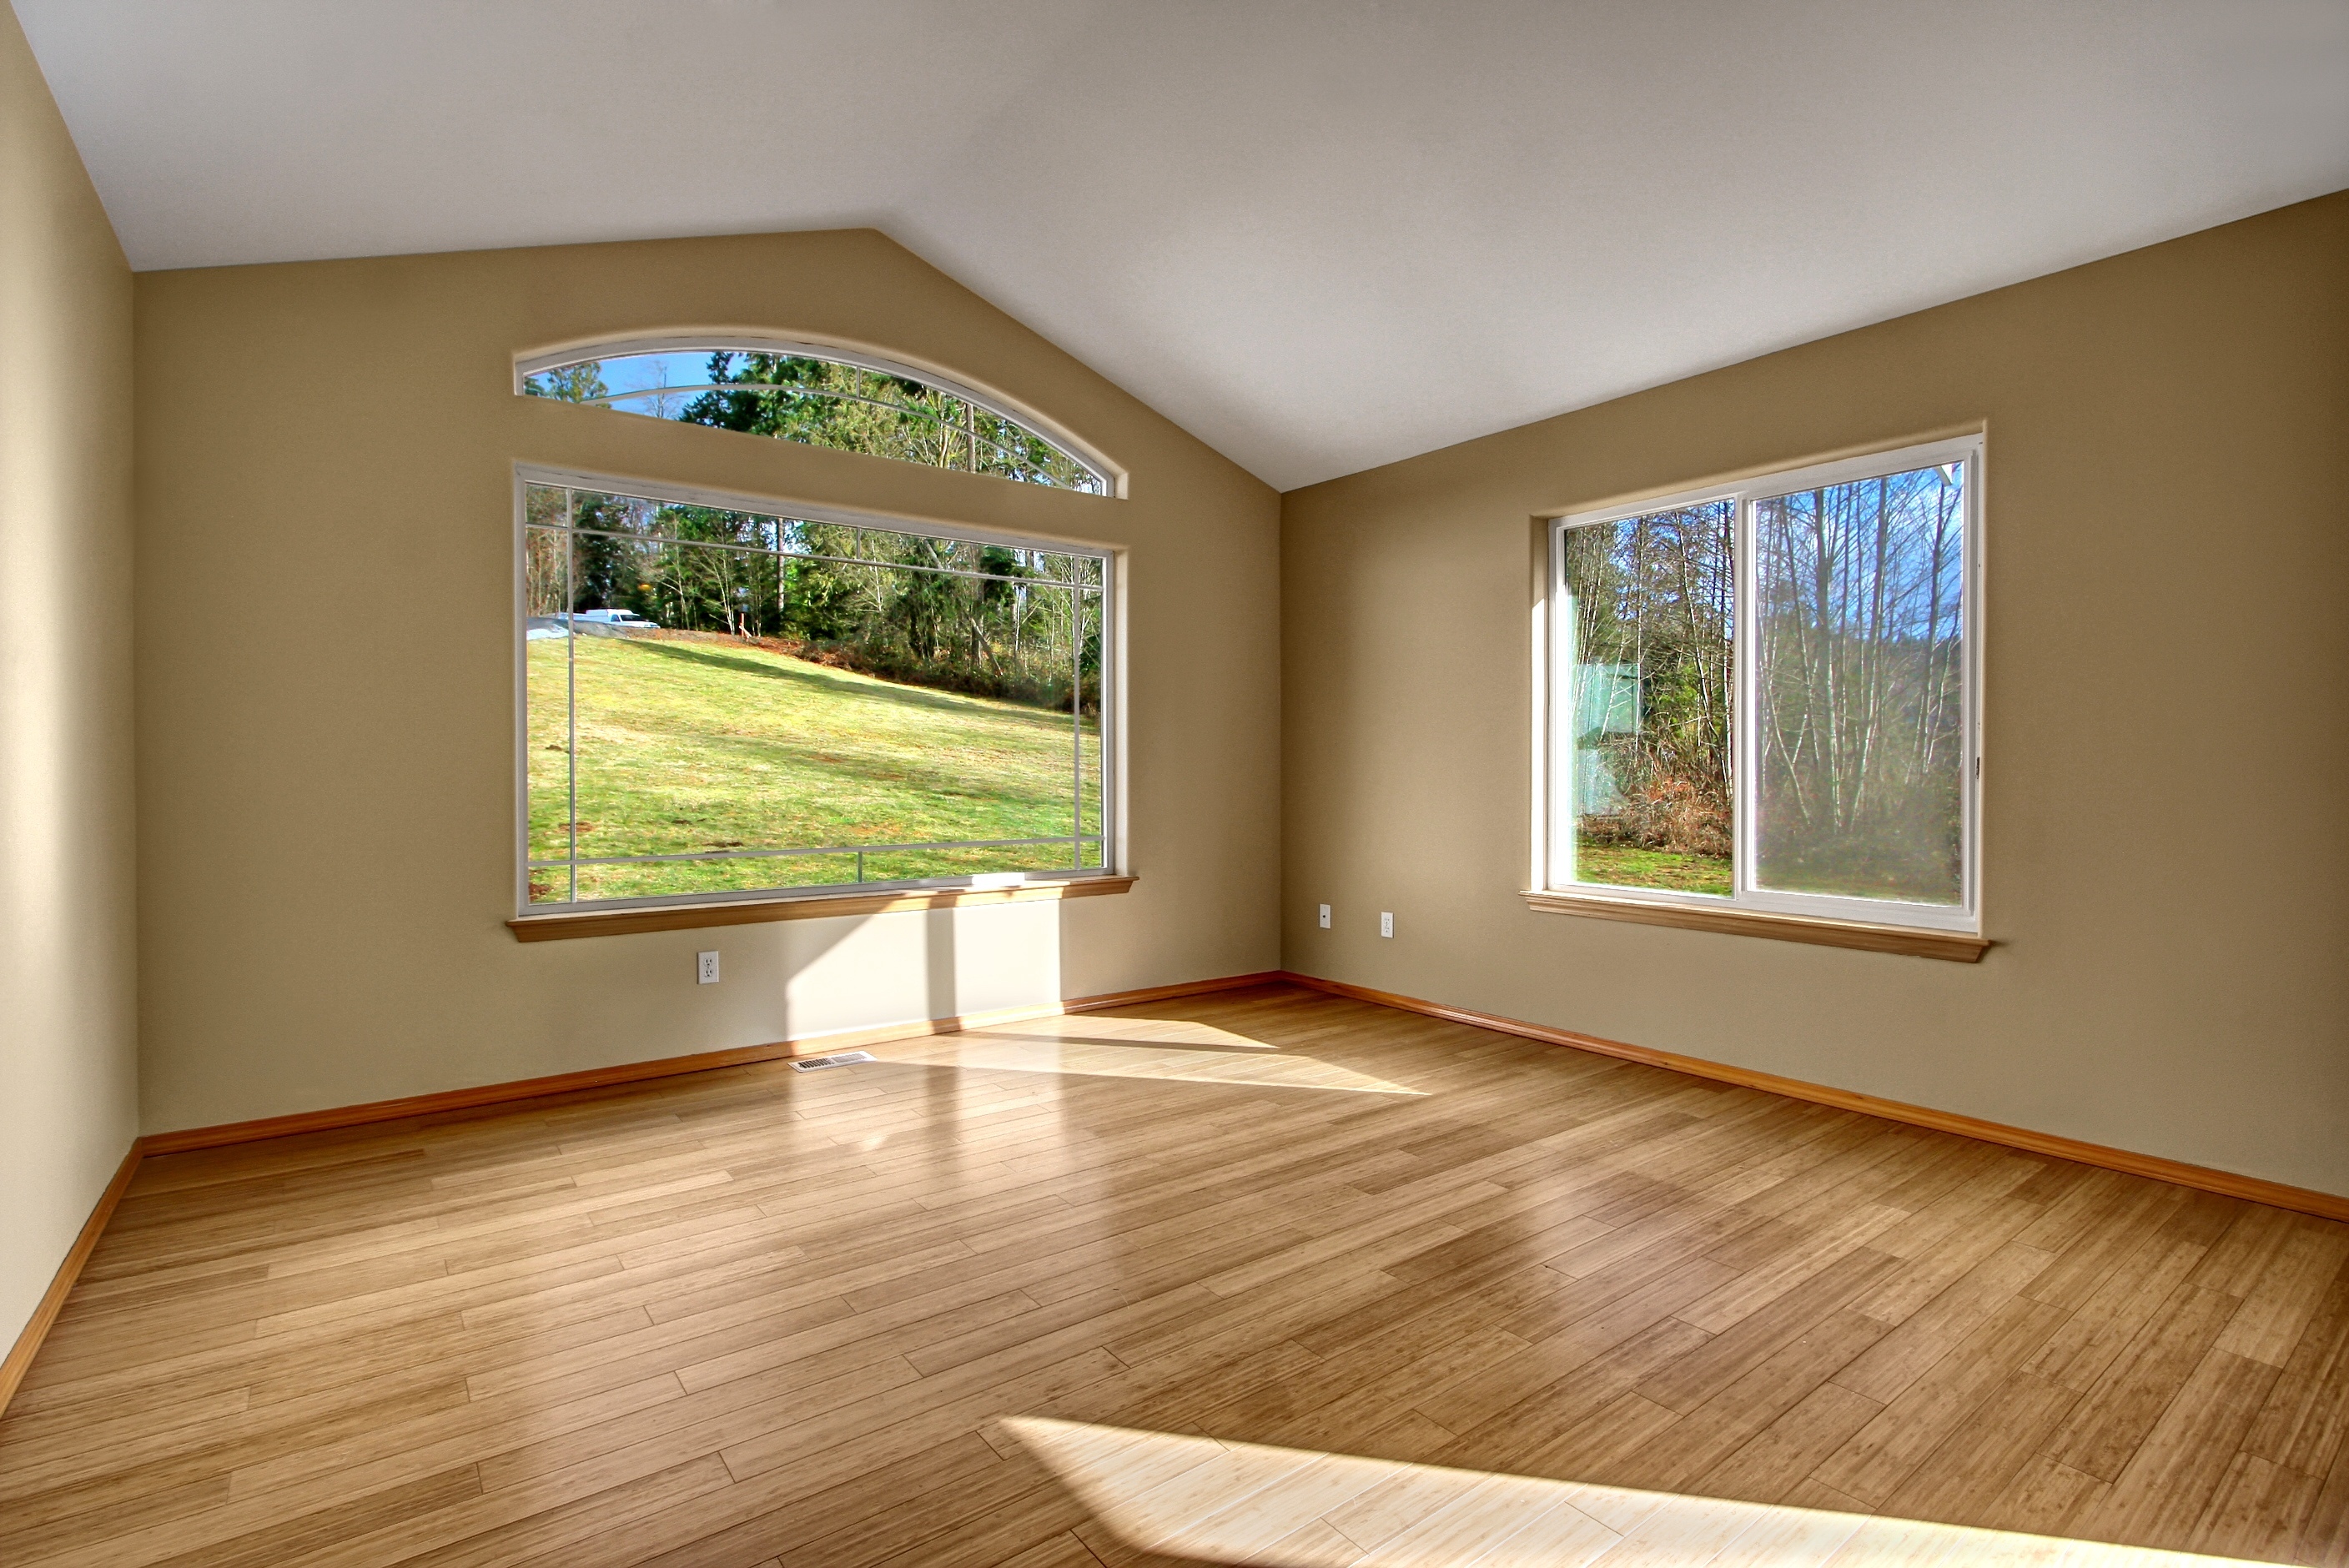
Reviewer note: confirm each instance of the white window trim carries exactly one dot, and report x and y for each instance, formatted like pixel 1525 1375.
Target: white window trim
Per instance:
pixel 1112 478
pixel 1553 760
pixel 1113 681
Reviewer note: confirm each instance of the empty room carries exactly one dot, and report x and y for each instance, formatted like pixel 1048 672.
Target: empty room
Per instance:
pixel 1056 784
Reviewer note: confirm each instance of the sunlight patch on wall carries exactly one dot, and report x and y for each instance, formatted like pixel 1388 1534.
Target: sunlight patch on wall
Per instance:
pixel 1216 1501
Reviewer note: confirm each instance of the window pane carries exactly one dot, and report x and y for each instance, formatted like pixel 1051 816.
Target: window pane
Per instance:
pixel 693 739
pixel 1090 807
pixel 547 677
pixel 1651 606
pixel 700 694
pixel 1859 688
pixel 821 402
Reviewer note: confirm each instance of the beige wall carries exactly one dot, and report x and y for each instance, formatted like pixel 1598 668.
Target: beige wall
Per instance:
pixel 326 694
pixel 68 1052
pixel 2166 846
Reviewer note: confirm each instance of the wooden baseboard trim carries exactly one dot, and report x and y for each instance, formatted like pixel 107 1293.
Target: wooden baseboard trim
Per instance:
pixel 446 1102
pixel 2252 1188
pixel 458 1099
pixel 1168 992
pixel 36 1328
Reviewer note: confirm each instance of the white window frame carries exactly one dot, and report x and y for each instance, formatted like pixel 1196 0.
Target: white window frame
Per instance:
pixel 1113 685
pixel 1554 761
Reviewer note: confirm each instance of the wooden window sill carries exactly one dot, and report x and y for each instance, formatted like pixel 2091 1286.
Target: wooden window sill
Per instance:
pixel 1957 947
pixel 807 906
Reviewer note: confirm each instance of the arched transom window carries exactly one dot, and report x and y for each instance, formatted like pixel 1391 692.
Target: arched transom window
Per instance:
pixel 824 397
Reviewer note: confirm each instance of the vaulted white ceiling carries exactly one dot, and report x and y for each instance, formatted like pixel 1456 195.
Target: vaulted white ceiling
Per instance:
pixel 1320 234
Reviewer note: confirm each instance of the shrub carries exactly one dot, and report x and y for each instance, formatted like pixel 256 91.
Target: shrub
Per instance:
pixel 1666 813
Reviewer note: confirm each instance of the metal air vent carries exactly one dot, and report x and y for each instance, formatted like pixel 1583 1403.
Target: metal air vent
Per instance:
pixel 839 1059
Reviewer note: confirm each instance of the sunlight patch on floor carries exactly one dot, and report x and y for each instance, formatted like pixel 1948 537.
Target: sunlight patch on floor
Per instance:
pixel 1225 1502
pixel 1167 1049
pixel 1105 1028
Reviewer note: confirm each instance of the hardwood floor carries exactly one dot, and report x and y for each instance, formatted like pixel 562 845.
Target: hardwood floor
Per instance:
pixel 1264 1277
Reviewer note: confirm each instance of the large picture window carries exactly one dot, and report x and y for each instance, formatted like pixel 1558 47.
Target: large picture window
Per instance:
pixel 720 701
pixel 1763 695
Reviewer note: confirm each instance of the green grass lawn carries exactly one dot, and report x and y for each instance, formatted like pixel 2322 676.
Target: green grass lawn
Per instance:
pixel 1623 865
pixel 688 745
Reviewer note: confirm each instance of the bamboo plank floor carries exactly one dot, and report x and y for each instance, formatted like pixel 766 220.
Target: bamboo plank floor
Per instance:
pixel 1264 1275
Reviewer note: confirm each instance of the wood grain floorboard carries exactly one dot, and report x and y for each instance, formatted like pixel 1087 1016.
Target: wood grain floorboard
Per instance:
pixel 1300 1278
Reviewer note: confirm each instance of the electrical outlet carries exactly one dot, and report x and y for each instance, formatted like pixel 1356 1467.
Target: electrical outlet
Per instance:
pixel 707 973
pixel 1386 923
pixel 1325 917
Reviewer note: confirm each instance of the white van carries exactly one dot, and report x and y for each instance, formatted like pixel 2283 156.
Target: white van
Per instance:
pixel 626 618
pixel 588 624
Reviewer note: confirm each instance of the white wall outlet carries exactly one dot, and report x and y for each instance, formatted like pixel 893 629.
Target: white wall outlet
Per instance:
pixel 1386 923
pixel 707 973
pixel 1325 917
